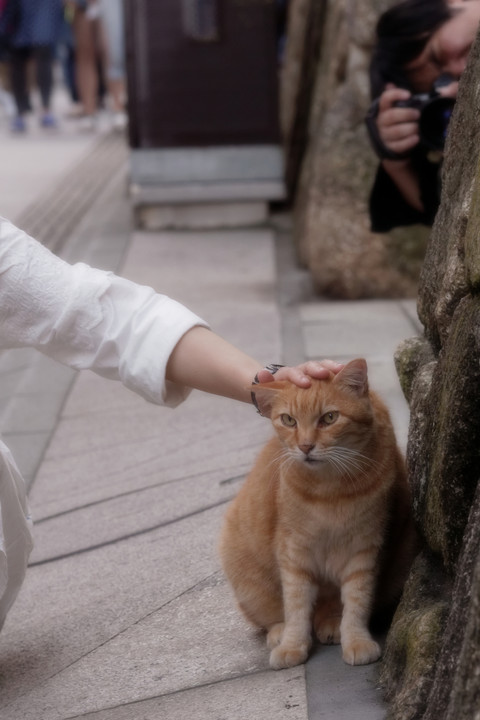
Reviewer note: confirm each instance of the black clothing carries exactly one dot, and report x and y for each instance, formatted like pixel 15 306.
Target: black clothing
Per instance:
pixel 19 58
pixel 388 207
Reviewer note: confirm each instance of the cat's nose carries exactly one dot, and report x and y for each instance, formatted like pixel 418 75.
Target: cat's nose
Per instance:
pixel 306 447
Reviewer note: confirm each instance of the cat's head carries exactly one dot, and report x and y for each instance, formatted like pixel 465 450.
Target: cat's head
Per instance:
pixel 328 424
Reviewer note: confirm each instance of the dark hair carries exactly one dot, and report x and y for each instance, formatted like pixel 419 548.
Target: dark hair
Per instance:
pixel 402 33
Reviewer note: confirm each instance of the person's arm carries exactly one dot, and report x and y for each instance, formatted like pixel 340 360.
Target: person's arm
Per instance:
pixel 399 134
pixel 405 178
pixel 87 318
pixel 207 362
pixel 91 319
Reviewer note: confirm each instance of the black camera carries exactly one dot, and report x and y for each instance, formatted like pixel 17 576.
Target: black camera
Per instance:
pixel 435 113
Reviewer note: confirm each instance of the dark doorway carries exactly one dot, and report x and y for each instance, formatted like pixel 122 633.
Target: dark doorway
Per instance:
pixel 202 72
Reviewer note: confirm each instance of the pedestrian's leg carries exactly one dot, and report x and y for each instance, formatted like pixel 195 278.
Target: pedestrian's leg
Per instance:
pixel 18 80
pixel 86 66
pixel 113 24
pixel 44 66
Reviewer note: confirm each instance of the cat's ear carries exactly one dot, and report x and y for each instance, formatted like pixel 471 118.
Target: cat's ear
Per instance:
pixel 353 377
pixel 265 394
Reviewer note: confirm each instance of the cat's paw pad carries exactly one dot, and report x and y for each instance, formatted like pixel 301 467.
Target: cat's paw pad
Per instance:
pixel 274 635
pixel 285 656
pixel 328 630
pixel 361 652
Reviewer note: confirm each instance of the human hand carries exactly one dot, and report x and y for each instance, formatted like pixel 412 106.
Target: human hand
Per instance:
pixel 397 126
pixel 301 374
pixel 448 91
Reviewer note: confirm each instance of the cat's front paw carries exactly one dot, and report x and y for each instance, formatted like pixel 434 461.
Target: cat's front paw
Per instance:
pixel 361 651
pixel 285 656
pixel 274 635
pixel 328 630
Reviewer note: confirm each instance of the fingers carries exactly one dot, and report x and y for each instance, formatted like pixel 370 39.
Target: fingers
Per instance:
pixel 400 139
pixel 392 95
pixel 301 374
pixel 317 368
pixel 397 126
pixel 450 90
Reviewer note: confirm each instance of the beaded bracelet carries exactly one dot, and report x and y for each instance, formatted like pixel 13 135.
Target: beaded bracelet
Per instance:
pixel 272 368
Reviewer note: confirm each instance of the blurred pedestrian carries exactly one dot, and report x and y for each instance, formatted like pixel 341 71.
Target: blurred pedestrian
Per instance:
pixel 89 55
pixel 113 23
pixel 34 38
pixel 6 99
pixel 66 56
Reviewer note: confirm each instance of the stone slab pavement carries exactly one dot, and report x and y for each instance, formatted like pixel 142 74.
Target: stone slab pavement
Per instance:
pixel 125 614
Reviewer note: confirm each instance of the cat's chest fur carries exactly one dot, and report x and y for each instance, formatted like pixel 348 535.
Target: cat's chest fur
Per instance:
pixel 326 530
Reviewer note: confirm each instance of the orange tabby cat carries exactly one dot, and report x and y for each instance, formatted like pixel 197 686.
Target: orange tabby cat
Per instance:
pixel 321 529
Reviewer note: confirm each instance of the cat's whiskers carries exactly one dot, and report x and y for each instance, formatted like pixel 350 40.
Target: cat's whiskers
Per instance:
pixel 349 462
pixel 357 459
pixel 282 461
pixel 279 457
pixel 290 459
pixel 342 467
pixel 360 456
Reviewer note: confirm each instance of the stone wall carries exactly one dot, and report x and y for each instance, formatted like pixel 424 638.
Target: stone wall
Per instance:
pixel 431 668
pixel 330 164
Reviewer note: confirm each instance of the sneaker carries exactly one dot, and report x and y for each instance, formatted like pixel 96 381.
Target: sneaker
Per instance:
pixel 119 121
pixel 87 123
pixel 48 121
pixel 75 112
pixel 18 124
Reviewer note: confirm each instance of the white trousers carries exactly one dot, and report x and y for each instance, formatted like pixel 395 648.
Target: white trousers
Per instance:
pixel 16 540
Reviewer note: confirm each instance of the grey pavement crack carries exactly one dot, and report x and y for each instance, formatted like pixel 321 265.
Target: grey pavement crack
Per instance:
pixel 146 488
pixel 121 632
pixel 212 683
pixel 121 538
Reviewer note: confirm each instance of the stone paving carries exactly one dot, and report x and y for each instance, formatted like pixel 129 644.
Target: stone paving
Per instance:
pixel 125 613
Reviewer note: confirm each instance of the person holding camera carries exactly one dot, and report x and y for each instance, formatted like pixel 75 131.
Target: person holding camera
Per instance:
pixel 421 51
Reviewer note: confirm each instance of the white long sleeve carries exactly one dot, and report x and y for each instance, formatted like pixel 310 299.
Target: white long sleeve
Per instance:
pixel 88 318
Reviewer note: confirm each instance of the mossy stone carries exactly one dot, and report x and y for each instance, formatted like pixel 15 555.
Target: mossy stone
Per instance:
pixel 411 355
pixel 414 641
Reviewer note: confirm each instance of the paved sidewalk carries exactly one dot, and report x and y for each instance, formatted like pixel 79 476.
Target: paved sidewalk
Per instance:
pixel 125 614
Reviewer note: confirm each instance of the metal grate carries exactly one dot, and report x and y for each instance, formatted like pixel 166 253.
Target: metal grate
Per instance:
pixel 201 20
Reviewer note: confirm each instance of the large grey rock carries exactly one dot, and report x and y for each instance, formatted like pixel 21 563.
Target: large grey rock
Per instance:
pixel 445 279
pixel 443 456
pixel 411 355
pixel 456 691
pixel 432 664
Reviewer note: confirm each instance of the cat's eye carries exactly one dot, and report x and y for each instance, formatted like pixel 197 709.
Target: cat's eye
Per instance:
pixel 329 418
pixel 288 420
